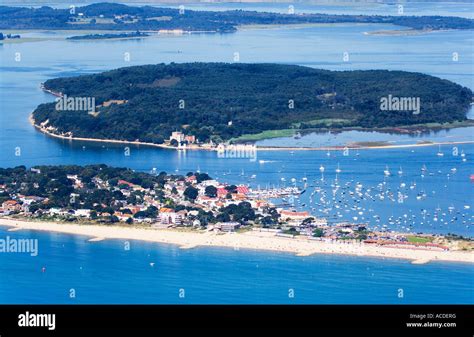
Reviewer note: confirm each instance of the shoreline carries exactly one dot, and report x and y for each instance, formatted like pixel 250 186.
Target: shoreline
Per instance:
pixel 254 240
pixel 406 32
pixel 98 140
pixel 259 148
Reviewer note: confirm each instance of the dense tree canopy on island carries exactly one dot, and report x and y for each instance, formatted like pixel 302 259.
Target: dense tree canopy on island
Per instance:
pixel 108 36
pixel 222 101
pixel 108 16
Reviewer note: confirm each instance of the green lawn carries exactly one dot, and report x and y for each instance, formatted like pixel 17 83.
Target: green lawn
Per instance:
pixel 324 122
pixel 265 135
pixel 418 239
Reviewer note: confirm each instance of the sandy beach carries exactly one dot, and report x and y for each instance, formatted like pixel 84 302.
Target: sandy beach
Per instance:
pixel 249 240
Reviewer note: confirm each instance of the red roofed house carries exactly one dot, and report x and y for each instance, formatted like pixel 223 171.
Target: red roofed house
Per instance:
pixel 11 205
pixel 221 192
pixel 242 189
pixel 124 182
pixel 190 139
pixel 134 209
pixel 133 186
pixel 239 196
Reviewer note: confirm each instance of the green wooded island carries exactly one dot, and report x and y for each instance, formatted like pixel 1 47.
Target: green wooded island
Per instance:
pixel 108 36
pixel 219 102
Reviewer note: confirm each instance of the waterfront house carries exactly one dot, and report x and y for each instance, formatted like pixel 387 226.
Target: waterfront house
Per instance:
pixel 178 136
pixel 85 213
pixel 11 205
pixel 4 212
pixel 226 226
pixel 169 217
pixel 123 216
pixel 190 139
pixel 54 211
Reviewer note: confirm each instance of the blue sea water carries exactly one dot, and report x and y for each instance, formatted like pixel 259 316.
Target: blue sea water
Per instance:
pixel 103 272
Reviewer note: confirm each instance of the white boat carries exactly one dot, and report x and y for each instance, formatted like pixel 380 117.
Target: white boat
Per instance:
pixel 338 170
pixel 440 154
pixel 386 172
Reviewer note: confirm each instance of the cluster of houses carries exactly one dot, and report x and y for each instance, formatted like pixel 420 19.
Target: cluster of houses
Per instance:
pixel 165 216
pixel 21 204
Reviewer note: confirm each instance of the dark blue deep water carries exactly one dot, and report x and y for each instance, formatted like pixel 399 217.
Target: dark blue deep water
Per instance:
pixel 104 272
